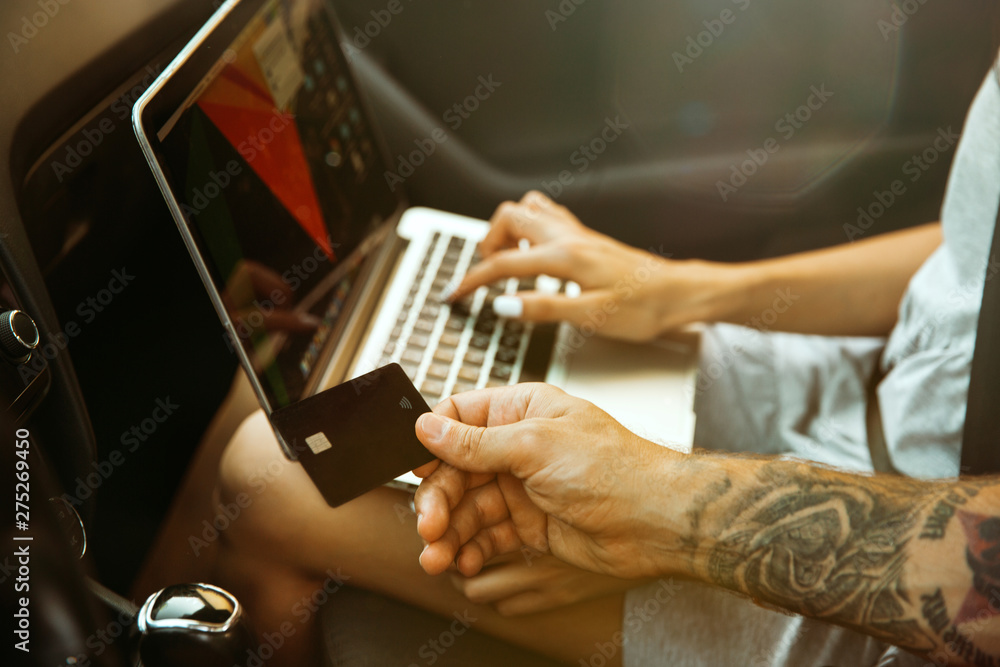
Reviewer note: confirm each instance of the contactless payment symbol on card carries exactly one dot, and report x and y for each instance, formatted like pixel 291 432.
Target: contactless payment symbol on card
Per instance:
pixel 318 442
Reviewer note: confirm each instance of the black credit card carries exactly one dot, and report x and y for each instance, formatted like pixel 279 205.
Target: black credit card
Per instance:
pixel 358 435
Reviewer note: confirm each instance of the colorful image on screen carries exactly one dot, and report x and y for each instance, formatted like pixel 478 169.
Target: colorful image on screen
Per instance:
pixel 281 181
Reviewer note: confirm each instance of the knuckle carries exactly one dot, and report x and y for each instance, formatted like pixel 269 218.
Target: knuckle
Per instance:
pixel 533 436
pixel 472 441
pixel 480 510
pixel 572 250
pixel 506 209
pixel 581 247
pixel 484 544
pixel 447 485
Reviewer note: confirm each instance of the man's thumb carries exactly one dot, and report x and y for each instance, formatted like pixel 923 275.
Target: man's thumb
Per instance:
pixel 470 448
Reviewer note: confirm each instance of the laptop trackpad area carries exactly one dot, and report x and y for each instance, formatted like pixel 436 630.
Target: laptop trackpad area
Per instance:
pixel 648 387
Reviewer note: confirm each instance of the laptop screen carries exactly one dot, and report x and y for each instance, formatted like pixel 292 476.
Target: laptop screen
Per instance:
pixel 279 176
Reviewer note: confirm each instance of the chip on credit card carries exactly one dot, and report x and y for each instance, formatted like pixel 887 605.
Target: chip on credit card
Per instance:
pixel 358 435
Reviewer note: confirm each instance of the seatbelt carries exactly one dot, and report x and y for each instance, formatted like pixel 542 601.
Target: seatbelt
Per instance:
pixel 881 461
pixel 981 438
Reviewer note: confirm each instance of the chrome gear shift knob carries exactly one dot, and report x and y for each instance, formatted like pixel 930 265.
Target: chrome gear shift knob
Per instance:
pixel 194 625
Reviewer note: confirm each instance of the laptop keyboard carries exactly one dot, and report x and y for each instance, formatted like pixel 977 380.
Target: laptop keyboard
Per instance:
pixel 450 349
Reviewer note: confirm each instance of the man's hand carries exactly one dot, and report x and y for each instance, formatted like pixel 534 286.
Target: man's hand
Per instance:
pixel 637 294
pixel 530 466
pixel 915 563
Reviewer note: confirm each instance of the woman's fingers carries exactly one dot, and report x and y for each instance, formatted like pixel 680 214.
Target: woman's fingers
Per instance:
pixel 267 282
pixel 498 582
pixel 528 602
pixel 548 259
pixel 276 320
pixel 541 307
pixel 532 218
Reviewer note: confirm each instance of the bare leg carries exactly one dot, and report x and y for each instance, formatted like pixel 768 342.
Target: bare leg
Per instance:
pixel 287 542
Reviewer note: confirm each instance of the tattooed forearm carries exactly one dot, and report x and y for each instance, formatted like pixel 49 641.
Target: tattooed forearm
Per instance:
pixel 934 611
pixel 838 547
pixel 824 549
pixel 937 520
pixel 915 563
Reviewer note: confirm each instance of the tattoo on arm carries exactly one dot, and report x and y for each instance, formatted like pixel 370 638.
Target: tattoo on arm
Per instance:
pixel 937 520
pixel 827 547
pixel 824 550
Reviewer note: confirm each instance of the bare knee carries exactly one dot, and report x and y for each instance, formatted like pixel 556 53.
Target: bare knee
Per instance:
pixel 261 491
pixel 250 459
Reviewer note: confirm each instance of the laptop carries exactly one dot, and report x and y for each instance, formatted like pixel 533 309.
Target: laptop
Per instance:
pixel 275 174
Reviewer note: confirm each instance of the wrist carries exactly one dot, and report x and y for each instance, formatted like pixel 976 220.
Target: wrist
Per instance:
pixel 662 529
pixel 737 291
pixel 687 505
pixel 689 291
